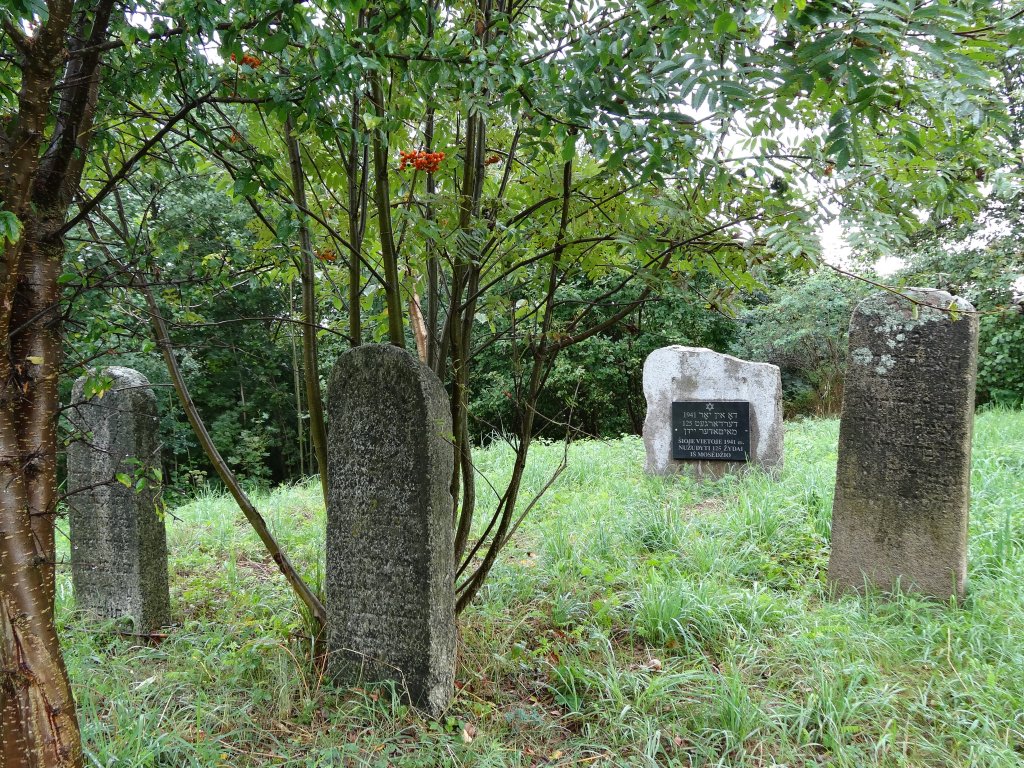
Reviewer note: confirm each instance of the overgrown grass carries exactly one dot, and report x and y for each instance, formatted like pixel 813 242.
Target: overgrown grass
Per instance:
pixel 634 621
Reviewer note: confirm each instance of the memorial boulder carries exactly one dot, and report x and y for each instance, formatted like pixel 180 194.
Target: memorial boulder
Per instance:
pixel 899 517
pixel 118 539
pixel 390 543
pixel 710 413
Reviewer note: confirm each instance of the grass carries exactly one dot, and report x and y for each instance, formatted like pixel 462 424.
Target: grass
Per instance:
pixel 633 621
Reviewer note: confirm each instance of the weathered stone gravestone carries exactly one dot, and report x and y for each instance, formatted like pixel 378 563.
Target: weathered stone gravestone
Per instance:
pixel 903 478
pixel 118 539
pixel 390 545
pixel 710 413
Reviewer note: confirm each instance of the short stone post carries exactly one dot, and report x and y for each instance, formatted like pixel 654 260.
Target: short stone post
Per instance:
pixel 118 539
pixel 390 543
pixel 711 414
pixel 899 518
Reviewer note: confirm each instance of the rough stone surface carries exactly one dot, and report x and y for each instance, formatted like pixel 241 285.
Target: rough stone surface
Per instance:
pixel 903 478
pixel 118 540
pixel 680 374
pixel 390 543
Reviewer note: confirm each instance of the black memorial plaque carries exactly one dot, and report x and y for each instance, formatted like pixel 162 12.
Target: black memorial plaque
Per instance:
pixel 711 431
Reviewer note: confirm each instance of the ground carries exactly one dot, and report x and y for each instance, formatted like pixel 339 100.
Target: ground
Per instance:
pixel 634 621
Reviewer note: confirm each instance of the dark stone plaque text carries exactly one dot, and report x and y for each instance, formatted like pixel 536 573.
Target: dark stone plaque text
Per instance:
pixel 711 431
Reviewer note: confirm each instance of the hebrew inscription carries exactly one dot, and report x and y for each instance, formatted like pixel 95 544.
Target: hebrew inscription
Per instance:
pixel 390 549
pixel 711 414
pixel 711 431
pixel 900 513
pixel 118 540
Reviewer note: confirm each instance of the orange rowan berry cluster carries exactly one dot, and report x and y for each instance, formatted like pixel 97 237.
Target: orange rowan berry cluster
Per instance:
pixel 248 60
pixel 427 162
pixel 492 160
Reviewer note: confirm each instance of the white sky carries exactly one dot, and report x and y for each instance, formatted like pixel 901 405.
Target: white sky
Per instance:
pixel 836 251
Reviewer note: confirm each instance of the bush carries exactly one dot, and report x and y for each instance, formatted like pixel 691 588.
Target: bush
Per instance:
pixel 1001 359
pixel 984 263
pixel 802 327
pixel 596 386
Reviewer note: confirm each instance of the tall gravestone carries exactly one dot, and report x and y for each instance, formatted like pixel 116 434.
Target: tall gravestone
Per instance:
pixel 118 539
pixel 390 543
pixel 903 477
pixel 710 413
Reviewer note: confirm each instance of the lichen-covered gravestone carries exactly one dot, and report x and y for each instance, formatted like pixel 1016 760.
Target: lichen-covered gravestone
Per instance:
pixel 710 413
pixel 390 544
pixel 903 478
pixel 118 540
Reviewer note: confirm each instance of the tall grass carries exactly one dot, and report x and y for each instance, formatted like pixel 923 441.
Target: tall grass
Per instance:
pixel 633 621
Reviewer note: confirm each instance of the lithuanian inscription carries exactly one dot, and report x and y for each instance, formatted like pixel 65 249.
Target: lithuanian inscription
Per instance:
pixel 711 431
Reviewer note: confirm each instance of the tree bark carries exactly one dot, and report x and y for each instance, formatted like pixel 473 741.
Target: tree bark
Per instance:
pixel 357 169
pixel 297 381
pixel 37 710
pixel 382 197
pixel 310 356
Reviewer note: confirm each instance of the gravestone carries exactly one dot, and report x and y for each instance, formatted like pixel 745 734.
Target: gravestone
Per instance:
pixel 710 413
pixel 390 544
pixel 903 479
pixel 118 539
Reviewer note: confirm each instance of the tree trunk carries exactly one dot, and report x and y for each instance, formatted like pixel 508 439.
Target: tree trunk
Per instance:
pixel 40 729
pixel 297 381
pixel 37 710
pixel 382 197
pixel 310 355
pixel 357 167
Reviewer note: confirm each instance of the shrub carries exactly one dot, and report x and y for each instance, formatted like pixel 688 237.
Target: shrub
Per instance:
pixel 802 327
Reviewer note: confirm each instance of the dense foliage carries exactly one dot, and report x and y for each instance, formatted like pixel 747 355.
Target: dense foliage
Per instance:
pixel 233 313
pixel 595 388
pixel 802 326
pixel 984 262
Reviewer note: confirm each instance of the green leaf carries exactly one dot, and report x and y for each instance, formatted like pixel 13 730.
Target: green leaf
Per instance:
pixel 569 148
pixel 276 42
pixel 30 8
pixel 10 227
pixel 725 24
pixel 245 186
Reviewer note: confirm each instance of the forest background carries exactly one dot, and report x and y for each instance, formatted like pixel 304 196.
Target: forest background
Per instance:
pixel 210 210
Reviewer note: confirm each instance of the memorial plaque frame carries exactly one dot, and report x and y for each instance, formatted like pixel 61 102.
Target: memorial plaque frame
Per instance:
pixel 711 430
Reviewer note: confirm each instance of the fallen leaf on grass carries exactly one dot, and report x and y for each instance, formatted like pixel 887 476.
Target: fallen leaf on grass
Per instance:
pixel 680 742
